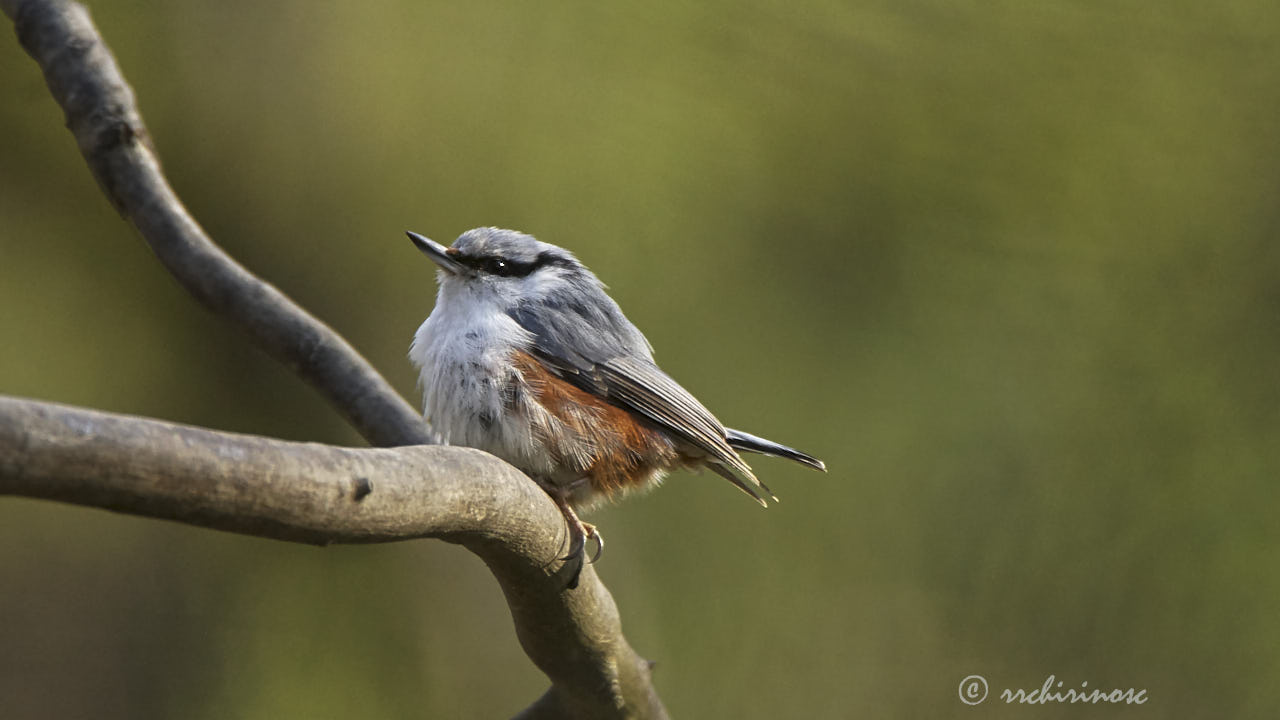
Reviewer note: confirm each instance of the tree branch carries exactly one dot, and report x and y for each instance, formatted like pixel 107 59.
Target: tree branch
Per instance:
pixel 319 494
pixel 296 491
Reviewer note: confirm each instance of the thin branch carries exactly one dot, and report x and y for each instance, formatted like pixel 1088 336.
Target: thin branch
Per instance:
pixel 319 494
pixel 99 105
pixel 292 491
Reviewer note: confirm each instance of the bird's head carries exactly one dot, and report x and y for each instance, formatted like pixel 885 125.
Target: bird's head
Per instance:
pixel 503 266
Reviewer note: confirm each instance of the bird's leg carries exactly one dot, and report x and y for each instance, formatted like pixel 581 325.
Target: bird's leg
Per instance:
pixel 589 531
pixel 579 531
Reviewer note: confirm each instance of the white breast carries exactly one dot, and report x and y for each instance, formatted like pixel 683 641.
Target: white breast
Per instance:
pixel 463 354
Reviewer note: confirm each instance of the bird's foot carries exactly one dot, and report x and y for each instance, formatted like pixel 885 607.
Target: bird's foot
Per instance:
pixel 579 533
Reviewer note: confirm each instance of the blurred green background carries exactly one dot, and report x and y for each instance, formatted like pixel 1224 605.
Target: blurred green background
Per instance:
pixel 1011 269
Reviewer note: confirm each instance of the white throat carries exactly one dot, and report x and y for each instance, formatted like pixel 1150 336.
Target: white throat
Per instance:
pixel 463 352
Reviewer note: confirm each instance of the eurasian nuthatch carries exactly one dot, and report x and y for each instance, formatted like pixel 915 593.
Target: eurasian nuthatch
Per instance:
pixel 527 358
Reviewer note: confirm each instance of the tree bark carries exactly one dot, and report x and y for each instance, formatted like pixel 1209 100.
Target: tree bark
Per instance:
pixel 299 492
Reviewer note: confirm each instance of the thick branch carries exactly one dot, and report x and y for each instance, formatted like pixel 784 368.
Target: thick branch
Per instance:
pixel 101 113
pixel 319 494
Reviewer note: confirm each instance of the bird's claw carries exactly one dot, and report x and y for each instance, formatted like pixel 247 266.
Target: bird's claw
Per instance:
pixel 578 537
pixel 593 534
pixel 579 533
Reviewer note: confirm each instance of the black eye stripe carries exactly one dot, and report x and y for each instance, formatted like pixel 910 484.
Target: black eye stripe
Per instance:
pixel 505 267
pixel 500 266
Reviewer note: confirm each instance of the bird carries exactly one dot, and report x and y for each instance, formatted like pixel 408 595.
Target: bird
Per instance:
pixel 526 357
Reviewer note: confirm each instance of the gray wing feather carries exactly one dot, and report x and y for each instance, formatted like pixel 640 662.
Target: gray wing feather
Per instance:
pixel 577 334
pixel 595 347
pixel 643 387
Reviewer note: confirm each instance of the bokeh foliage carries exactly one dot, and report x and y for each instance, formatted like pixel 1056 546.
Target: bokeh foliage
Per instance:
pixel 1010 268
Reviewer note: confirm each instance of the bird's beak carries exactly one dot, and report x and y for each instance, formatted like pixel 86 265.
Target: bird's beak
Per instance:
pixel 438 253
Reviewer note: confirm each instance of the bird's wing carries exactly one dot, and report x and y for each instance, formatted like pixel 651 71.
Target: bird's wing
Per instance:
pixel 611 360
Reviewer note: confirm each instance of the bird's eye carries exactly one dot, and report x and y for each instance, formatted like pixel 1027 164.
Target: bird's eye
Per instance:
pixel 497 266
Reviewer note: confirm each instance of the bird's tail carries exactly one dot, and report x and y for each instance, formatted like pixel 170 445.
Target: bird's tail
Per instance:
pixel 739 440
